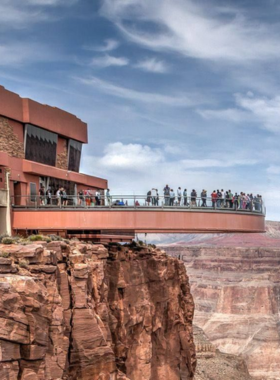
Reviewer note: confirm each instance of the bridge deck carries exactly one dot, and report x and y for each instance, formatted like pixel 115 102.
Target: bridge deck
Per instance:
pixel 138 220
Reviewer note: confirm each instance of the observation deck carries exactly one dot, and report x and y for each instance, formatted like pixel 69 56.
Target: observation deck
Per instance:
pixel 120 218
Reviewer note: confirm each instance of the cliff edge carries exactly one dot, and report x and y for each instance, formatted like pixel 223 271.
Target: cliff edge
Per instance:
pixel 83 311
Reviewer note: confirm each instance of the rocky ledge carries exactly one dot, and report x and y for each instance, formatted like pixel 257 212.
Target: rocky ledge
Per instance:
pixel 83 311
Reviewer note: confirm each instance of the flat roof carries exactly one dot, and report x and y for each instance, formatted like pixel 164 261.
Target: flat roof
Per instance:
pixel 25 110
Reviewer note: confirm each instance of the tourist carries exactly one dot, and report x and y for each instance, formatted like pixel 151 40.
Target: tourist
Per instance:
pixel 97 198
pixel 80 197
pixel 236 199
pixel 204 198
pixel 179 195
pixel 214 197
pixel 172 197
pixel 49 196
pixel 185 196
pixel 154 196
pixel 230 199
pixel 64 198
pixel 222 197
pixel 108 197
pixel 219 195
pixel 166 193
pixel 58 197
pixel 193 198
pixel 42 195
pixel 149 197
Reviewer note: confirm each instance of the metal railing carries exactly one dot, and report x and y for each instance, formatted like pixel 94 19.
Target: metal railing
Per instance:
pixel 3 198
pixel 255 205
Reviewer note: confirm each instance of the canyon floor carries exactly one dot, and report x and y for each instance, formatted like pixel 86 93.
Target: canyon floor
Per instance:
pixel 235 282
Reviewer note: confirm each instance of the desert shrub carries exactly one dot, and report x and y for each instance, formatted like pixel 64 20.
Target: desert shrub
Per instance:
pixel 23 263
pixel 4 254
pixel 8 240
pixel 2 236
pixel 36 238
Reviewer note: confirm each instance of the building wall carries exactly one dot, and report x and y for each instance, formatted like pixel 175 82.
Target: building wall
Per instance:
pixel 11 142
pixel 3 220
pixel 62 153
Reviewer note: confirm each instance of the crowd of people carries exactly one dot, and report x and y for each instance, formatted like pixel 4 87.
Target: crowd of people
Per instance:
pixel 218 199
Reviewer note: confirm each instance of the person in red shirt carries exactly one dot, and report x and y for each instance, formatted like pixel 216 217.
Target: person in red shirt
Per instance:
pixel 214 197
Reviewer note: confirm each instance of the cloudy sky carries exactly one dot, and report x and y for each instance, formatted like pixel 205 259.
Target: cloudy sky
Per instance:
pixel 174 91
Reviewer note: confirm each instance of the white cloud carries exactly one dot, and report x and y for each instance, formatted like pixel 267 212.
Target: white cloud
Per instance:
pixel 134 95
pixel 51 2
pixel 194 30
pixel 262 110
pixel 265 110
pixel 212 163
pixel 109 45
pixel 274 170
pixel 109 60
pixel 15 54
pixel 229 114
pixel 152 65
pixel 131 156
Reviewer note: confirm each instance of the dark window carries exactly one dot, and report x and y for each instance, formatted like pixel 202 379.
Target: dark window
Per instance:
pixel 33 192
pixel 40 145
pixel 75 151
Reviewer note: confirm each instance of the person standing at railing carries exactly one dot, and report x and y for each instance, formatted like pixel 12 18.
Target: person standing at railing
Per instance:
pixel 97 198
pixel 42 195
pixel 236 199
pixel 172 197
pixel 204 198
pixel 58 197
pixel 185 195
pixel 166 193
pixel 230 196
pixel 219 194
pixel 214 197
pixel 193 198
pixel 179 196
pixel 222 198
pixel 49 196
pixel 108 197
pixel 154 194
pixel 64 197
pixel 80 198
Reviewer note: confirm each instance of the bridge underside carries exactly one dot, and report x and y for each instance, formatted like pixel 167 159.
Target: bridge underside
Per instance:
pixel 121 224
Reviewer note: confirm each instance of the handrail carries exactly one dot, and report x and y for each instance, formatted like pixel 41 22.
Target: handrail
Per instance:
pixel 255 205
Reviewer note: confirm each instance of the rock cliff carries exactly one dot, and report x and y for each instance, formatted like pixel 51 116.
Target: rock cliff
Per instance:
pixel 83 311
pixel 237 297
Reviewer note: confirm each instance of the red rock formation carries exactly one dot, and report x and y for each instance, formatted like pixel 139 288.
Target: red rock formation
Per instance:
pixel 83 312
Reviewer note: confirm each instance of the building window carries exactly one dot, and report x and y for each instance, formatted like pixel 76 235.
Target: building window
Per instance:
pixel 33 192
pixel 75 151
pixel 40 145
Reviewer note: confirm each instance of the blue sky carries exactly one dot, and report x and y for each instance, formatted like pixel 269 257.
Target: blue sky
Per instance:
pixel 174 91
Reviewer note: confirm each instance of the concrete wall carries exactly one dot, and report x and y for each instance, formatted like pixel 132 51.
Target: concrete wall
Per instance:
pixel 3 219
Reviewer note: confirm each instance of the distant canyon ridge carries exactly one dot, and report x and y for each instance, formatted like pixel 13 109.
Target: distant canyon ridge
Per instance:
pixel 235 282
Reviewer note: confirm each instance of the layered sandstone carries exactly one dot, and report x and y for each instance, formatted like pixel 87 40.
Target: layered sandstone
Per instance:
pixel 213 364
pixel 237 297
pixel 83 311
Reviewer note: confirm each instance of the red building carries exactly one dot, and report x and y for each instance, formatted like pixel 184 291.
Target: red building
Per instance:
pixel 40 146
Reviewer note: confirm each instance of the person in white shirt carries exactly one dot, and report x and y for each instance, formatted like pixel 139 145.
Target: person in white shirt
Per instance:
pixel 179 195
pixel 97 198
pixel 108 197
pixel 172 197
pixel 222 198
pixel 154 197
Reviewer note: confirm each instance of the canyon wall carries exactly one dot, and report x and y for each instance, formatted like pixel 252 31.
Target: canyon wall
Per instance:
pixel 82 311
pixel 237 296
